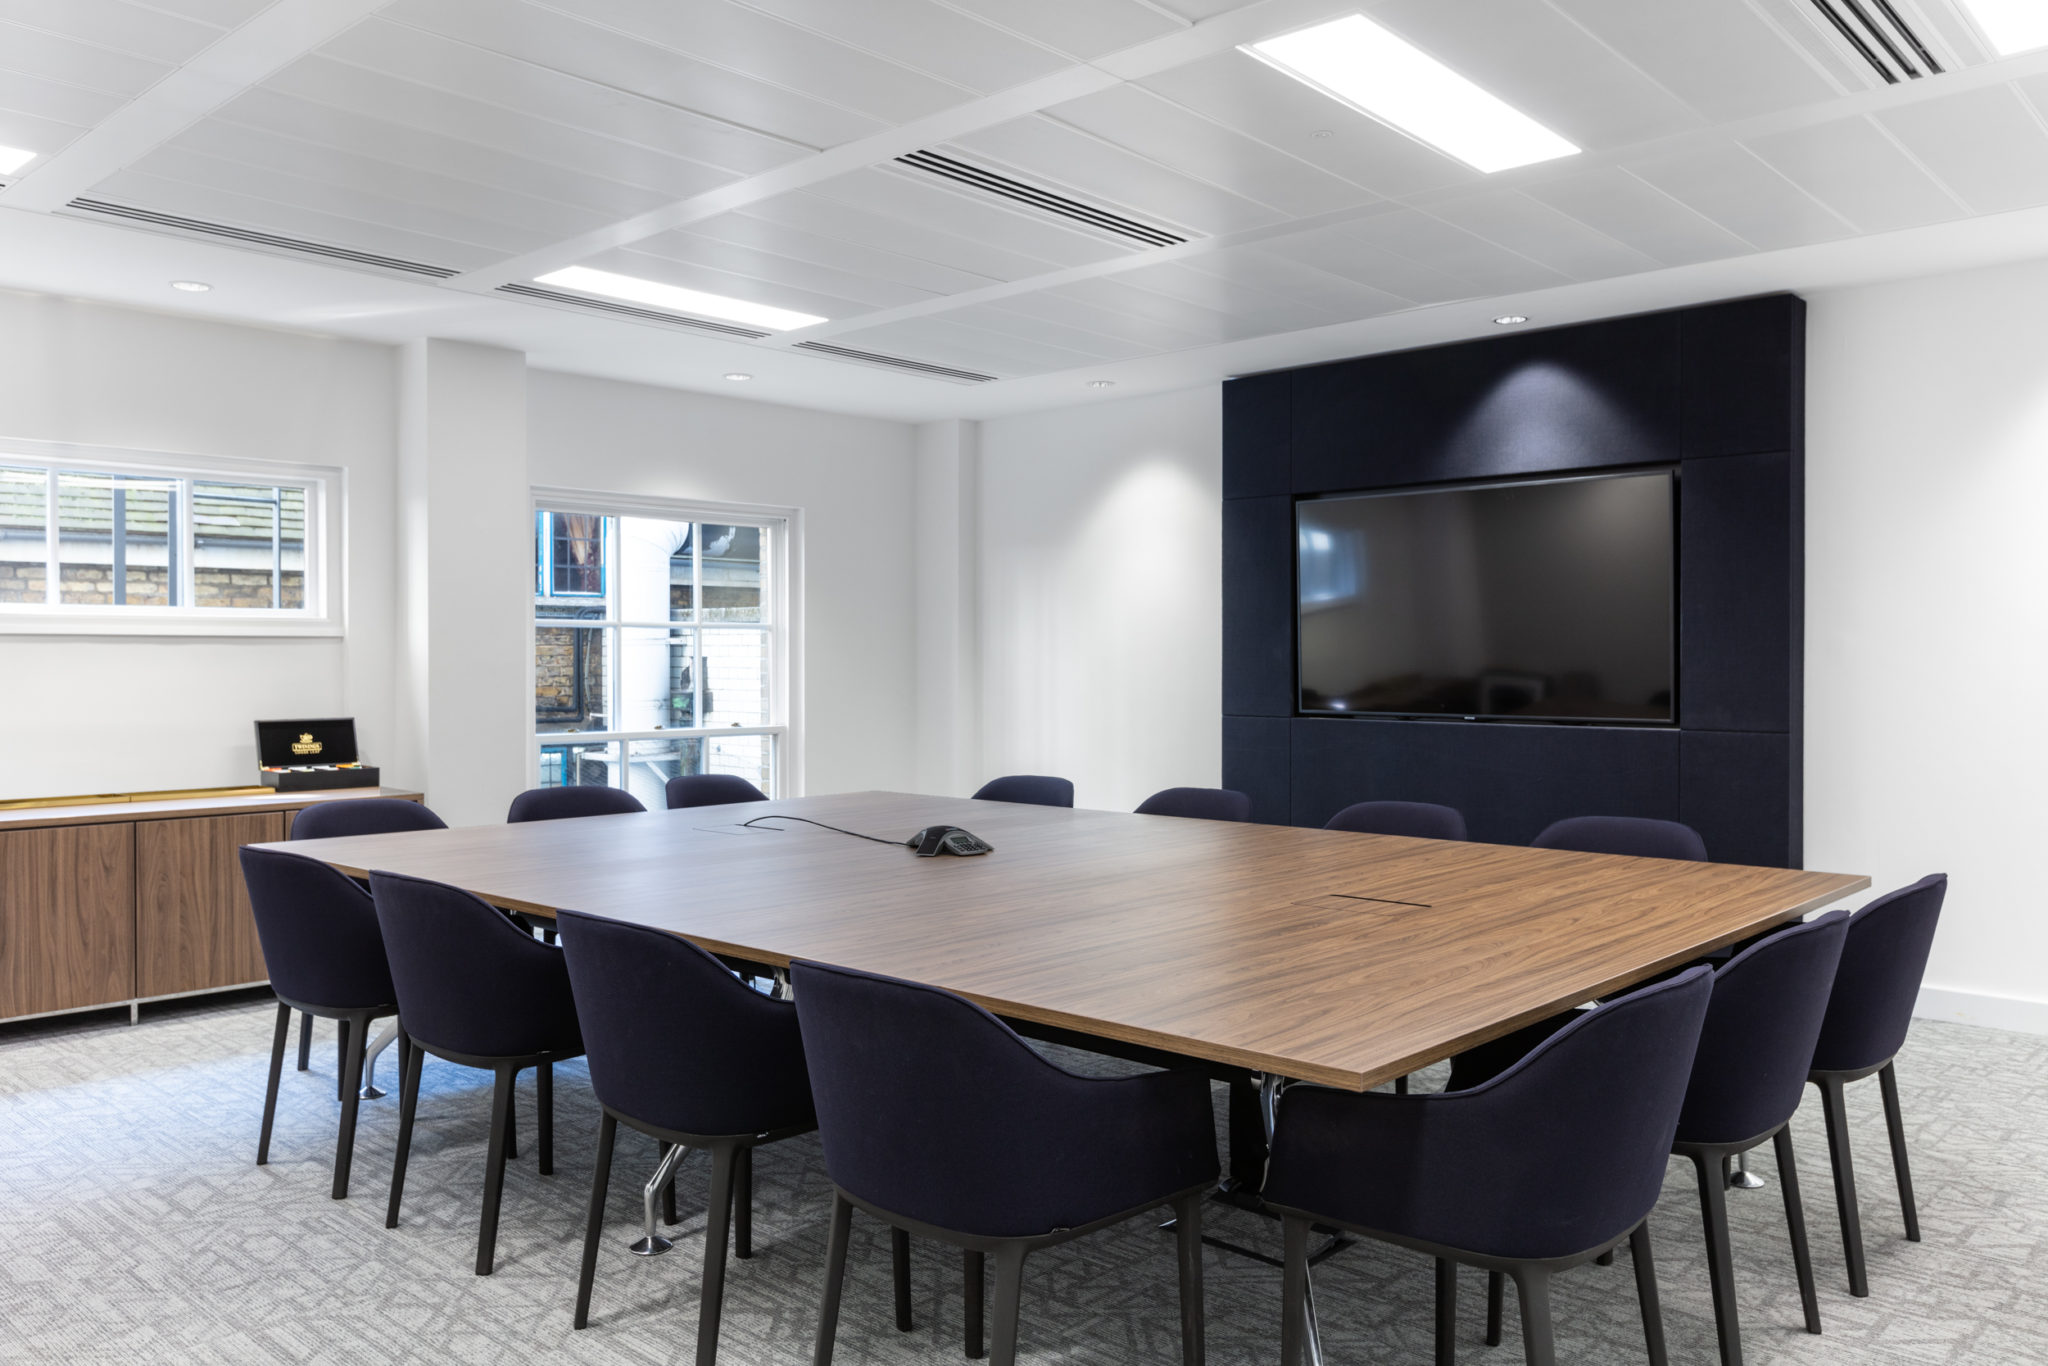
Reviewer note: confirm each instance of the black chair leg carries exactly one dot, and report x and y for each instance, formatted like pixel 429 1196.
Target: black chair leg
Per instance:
pixel 1539 1347
pixel 1009 1304
pixel 278 1038
pixel 1646 1294
pixel 512 1120
pixel 717 1231
pixel 974 1288
pixel 351 1098
pixel 743 1204
pixel 1836 1113
pixel 1401 1085
pixel 593 1226
pixel 1446 1312
pixel 1720 1256
pixel 1795 1221
pixel 341 1033
pixel 1496 1302
pixel 899 1275
pixel 544 1088
pixel 1605 1259
pixel 1895 1125
pixel 408 1105
pixel 494 1169
pixel 1187 1215
pixel 1293 1290
pixel 835 1279
pixel 305 1038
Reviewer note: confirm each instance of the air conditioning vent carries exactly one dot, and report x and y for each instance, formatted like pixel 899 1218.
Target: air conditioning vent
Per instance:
pixel 1041 200
pixel 650 315
pixel 1880 38
pixel 250 237
pixel 918 367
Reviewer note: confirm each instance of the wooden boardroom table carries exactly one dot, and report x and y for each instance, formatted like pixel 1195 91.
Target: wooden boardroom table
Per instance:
pixel 1305 955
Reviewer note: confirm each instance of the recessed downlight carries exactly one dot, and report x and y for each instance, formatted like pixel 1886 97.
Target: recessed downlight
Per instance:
pixel 13 159
pixel 1102 384
pixel 738 376
pixel 2011 26
pixel 1511 319
pixel 676 298
pixel 1356 62
pixel 191 286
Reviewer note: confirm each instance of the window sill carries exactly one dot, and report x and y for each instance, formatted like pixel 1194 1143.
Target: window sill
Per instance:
pixel 29 621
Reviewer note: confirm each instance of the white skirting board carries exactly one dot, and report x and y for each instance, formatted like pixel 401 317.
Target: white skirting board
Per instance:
pixel 1981 1008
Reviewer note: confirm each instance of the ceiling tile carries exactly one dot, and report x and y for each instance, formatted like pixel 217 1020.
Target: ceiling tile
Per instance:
pixel 1531 228
pixel 1081 28
pixel 971 348
pixel 1853 168
pixel 1437 244
pixel 44 137
pixel 825 218
pixel 1636 213
pixel 928 36
pixel 927 201
pixel 1719 56
pixel 51 57
pixel 868 289
pixel 1112 320
pixel 1340 250
pixel 38 98
pixel 1244 309
pixel 116 26
pixel 690 275
pixel 1730 185
pixel 223 14
pixel 1986 145
pixel 746 232
pixel 1255 268
pixel 1031 327
pixel 1149 307
pixel 1173 136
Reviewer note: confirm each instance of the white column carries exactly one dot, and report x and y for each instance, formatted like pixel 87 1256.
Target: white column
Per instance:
pixel 948 719
pixel 465 592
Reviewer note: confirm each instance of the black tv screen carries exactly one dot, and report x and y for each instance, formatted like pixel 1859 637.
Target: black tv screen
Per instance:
pixel 1542 600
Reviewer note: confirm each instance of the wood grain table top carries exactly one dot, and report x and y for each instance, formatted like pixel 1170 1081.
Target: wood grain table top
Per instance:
pixel 1318 955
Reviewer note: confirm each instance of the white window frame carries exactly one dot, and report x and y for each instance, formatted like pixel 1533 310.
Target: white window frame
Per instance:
pixel 785 624
pixel 326 497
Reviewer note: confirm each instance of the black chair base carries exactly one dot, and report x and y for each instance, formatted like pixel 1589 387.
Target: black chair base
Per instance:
pixel 1836 1112
pixel 1532 1281
pixel 1711 1162
pixel 351 1045
pixel 1009 1254
pixel 730 1216
pixel 502 1144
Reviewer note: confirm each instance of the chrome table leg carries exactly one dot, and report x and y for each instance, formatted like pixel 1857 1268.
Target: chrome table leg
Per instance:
pixel 1269 1113
pixel 653 1245
pixel 384 1040
pixel 1742 1178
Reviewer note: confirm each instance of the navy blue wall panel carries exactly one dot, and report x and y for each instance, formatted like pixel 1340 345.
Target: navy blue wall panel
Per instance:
pixel 1739 593
pixel 1258 435
pixel 1258 606
pixel 1509 780
pixel 1256 763
pixel 1741 792
pixel 1744 375
pixel 1574 398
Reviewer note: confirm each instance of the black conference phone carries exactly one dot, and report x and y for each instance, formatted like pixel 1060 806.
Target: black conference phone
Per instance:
pixel 934 840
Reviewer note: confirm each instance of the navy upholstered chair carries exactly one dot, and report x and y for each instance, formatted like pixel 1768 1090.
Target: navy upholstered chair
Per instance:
pixel 1417 820
pixel 568 803
pixel 1551 1164
pixel 1198 803
pixel 325 957
pixel 682 1051
pixel 711 789
pixel 1883 961
pixel 337 818
pixel 1636 836
pixel 476 990
pixel 1028 788
pixel 941 1121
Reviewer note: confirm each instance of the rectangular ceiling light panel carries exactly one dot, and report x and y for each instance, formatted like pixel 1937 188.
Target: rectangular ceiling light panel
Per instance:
pixel 13 159
pixel 676 299
pixel 1356 62
pixel 2011 26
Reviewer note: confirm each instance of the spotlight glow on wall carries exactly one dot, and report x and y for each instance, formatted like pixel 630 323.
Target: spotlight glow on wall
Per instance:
pixel 676 299
pixel 1356 62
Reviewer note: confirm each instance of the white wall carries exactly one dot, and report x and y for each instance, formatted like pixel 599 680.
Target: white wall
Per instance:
pixel 1101 620
pixel 102 714
pixel 1927 615
pixel 851 480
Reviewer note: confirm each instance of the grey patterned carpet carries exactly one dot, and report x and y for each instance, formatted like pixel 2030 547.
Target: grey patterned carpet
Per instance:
pixel 135 1228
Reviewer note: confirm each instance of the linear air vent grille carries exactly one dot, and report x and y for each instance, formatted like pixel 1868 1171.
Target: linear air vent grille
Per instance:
pixel 296 245
pixel 1883 40
pixel 919 367
pixel 652 315
pixel 1042 200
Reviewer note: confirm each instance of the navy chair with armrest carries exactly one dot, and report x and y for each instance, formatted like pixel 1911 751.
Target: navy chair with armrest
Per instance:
pixel 710 789
pixel 1198 803
pixel 683 1052
pixel 1416 820
pixel 1883 960
pixel 1030 789
pixel 1549 1165
pixel 506 1009
pixel 1634 836
pixel 338 818
pixel 939 1120
pixel 571 803
pixel 324 954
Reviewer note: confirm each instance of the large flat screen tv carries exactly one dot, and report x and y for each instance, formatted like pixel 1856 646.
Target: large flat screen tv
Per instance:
pixel 1540 600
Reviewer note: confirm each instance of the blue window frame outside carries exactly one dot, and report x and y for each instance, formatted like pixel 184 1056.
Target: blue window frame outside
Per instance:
pixel 569 554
